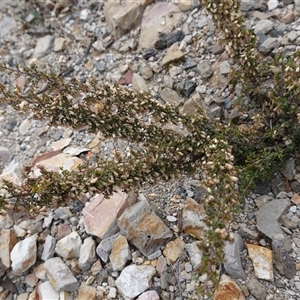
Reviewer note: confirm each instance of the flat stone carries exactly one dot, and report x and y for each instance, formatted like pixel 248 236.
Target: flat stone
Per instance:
pixel 228 289
pixel 60 275
pixel 86 292
pixel 143 228
pixel 268 215
pixel 173 54
pixel 60 44
pixel 232 257
pixel 285 264
pixel 263 26
pixel 46 291
pixel 167 40
pixel 69 246
pixel 296 199
pixel 62 231
pixel 63 213
pixel 170 96
pixel 101 214
pixel 173 250
pixel 262 260
pixel 257 289
pixel 8 239
pixel 87 255
pixel 161 265
pixel 272 4
pixel 158 17
pixel 195 254
pixel 135 280
pixel 7 23
pixel 139 83
pixel 225 67
pixel 149 295
pixel 49 248
pixel 120 253
pixel 43 46
pixel 56 162
pixel 61 144
pixel 122 17
pixel 104 248
pixel 5 155
pixel 268 45
pixel 193 216
pixel 23 255
pixel 187 87
pixel 185 5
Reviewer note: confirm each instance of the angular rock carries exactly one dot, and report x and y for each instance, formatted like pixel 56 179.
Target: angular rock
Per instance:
pixel 161 265
pixel 134 280
pixel 173 250
pixel 185 5
pixel 205 69
pixel 7 23
pixel 87 255
pixel 86 292
pixel 63 213
pixel 195 254
pixel 8 239
pixel 143 228
pixel 167 40
pixel 60 275
pixel 12 173
pixel 46 291
pixel 120 253
pixel 284 263
pixel 246 5
pixel 56 162
pixel 193 216
pixel 268 215
pixel 268 45
pixel 228 289
pixel 170 96
pixel 187 87
pixel 23 255
pixel 225 67
pixel 149 295
pixel 262 260
pixel 159 17
pixel 232 257
pixel 121 17
pixel 263 26
pixel 296 199
pixel 139 83
pixel 49 248
pixel 101 214
pixel 257 289
pixel 69 246
pixel 104 248
pixel 173 54
pixel 43 46
pixel 60 44
pixel 62 231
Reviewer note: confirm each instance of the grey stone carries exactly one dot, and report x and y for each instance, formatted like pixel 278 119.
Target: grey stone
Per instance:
pixel 63 213
pixel 205 69
pixel 7 23
pixel 43 46
pixel 170 96
pixel 263 26
pixel 134 280
pixel 248 233
pixel 87 255
pixel 289 169
pixel 246 5
pixel 257 289
pixel 5 156
pixel 268 45
pixel 284 262
pixel 23 255
pixel 143 228
pixel 187 87
pixel 120 253
pixel 232 257
pixel 195 254
pixel 225 67
pixel 104 248
pixel 139 83
pixel 268 215
pixel 49 248
pixel 60 275
pixel 146 72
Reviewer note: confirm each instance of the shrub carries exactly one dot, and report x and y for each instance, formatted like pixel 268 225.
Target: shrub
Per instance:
pixel 231 157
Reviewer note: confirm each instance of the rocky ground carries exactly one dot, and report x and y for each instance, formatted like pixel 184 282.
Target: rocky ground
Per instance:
pixel 142 247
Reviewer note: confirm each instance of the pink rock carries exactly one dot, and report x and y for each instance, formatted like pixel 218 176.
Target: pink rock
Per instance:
pixel 8 240
pixel 63 230
pixel 101 214
pixel 149 295
pixel 126 78
pixel 158 17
